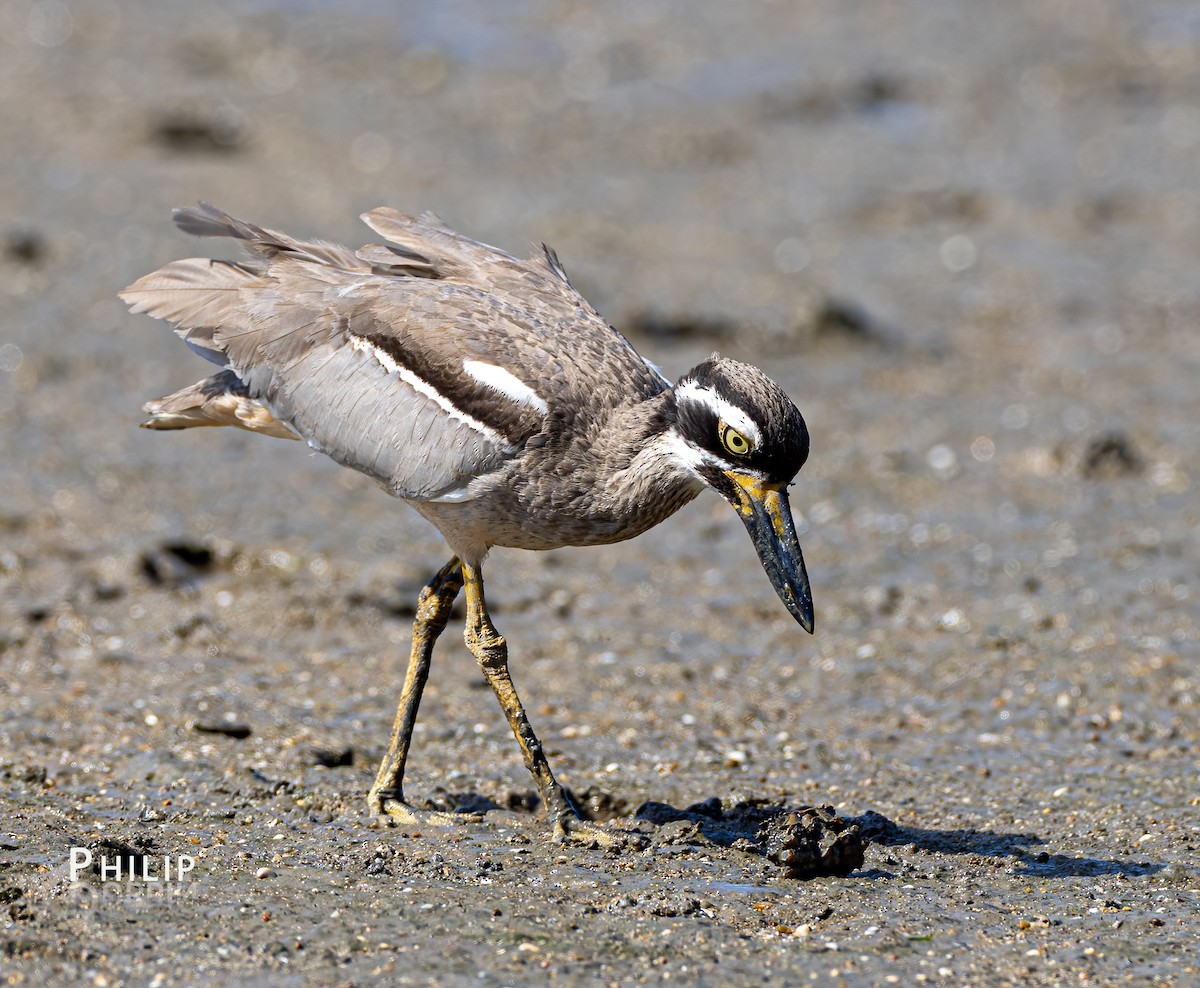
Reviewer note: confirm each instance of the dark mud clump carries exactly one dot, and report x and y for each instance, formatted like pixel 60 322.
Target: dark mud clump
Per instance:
pixel 1110 456
pixel 807 842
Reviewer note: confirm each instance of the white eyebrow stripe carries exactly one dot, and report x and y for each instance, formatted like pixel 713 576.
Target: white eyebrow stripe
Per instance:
pixel 691 457
pixel 423 387
pixel 506 383
pixel 726 411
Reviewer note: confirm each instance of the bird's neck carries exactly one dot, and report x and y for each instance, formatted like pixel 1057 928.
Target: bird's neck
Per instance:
pixel 650 481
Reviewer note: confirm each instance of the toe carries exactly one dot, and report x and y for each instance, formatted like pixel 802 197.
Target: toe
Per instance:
pixel 594 835
pixel 393 812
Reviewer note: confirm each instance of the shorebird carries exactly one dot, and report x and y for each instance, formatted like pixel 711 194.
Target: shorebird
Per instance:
pixel 487 393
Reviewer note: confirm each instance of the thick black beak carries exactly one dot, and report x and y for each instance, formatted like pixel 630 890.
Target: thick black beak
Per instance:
pixel 765 512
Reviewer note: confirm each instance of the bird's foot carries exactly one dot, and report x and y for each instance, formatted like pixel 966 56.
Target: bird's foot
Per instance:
pixel 568 825
pixel 593 835
pixel 392 810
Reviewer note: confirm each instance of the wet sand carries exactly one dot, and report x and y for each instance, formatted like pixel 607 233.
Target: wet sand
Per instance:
pixel 965 243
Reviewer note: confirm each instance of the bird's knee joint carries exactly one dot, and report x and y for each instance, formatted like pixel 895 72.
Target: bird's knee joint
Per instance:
pixel 493 660
pixel 493 653
pixel 491 648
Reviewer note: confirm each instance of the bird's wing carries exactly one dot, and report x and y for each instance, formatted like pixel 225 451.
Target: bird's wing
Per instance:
pixel 553 328
pixel 450 256
pixel 423 367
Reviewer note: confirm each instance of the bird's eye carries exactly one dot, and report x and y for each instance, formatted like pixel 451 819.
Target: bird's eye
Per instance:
pixel 734 441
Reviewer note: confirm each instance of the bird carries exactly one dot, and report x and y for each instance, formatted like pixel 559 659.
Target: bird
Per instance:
pixel 484 391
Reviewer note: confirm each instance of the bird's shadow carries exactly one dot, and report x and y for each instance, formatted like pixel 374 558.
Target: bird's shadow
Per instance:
pixel 989 843
pixel 740 825
pixel 729 827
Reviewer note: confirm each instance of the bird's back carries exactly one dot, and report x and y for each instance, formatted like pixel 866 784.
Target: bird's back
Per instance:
pixel 425 362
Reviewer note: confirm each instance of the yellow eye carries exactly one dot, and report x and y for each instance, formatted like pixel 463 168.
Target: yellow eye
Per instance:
pixel 734 441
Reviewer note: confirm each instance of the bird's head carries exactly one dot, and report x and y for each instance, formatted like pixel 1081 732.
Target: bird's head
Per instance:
pixel 738 432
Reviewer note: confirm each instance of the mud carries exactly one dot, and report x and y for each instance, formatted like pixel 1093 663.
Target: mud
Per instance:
pixel 963 237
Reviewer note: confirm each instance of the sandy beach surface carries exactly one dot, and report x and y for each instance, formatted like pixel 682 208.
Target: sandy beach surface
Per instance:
pixel 964 237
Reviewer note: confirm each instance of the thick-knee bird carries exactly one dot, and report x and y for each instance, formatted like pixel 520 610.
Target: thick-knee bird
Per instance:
pixel 482 389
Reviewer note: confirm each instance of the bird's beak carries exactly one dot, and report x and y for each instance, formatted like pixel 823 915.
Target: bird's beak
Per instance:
pixel 765 512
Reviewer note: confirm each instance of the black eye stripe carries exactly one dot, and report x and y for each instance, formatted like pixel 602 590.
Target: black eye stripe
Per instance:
pixel 782 442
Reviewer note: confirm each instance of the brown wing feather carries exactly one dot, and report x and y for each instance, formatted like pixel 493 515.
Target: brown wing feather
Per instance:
pixel 454 257
pixel 315 332
pixel 205 220
pixel 524 314
pixel 451 254
pixel 192 292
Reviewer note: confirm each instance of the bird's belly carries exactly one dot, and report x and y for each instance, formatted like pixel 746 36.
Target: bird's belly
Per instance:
pixel 499 518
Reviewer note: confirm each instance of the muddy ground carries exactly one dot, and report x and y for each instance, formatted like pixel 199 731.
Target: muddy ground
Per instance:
pixel 963 236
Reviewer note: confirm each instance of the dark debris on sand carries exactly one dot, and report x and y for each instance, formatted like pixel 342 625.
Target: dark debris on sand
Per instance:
pixel 807 841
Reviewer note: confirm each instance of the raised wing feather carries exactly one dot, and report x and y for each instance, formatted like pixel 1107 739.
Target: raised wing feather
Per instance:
pixel 525 311
pixel 366 354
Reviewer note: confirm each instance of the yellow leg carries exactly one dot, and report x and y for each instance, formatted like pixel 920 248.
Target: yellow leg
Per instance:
pixel 492 652
pixel 386 798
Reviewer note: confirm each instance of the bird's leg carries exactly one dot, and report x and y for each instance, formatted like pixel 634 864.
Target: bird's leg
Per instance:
pixel 492 652
pixel 386 798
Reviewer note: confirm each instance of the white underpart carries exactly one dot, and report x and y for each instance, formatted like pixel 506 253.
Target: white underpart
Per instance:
pixel 506 383
pixel 456 495
pixel 686 455
pixel 726 411
pixel 423 387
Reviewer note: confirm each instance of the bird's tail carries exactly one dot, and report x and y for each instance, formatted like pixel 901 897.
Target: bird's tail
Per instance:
pixel 218 400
